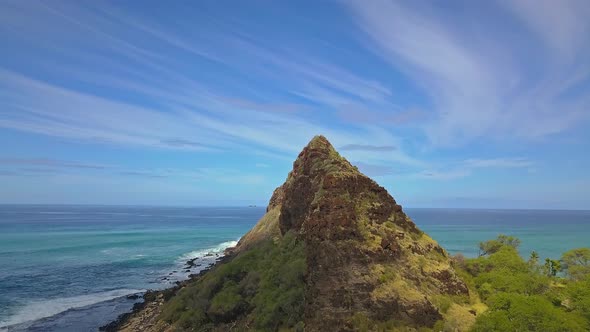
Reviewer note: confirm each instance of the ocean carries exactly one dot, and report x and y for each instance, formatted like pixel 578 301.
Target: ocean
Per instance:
pixel 72 268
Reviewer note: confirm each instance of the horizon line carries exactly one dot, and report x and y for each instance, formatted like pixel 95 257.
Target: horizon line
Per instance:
pixel 265 205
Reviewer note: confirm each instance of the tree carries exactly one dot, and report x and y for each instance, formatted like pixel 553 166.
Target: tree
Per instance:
pixel 493 246
pixel 505 271
pixel 552 267
pixel 579 296
pixel 576 263
pixel 534 258
pixel 518 312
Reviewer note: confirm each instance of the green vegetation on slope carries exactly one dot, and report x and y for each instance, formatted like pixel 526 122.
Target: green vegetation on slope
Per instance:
pixel 262 288
pixel 577 263
pixel 351 259
pixel 524 295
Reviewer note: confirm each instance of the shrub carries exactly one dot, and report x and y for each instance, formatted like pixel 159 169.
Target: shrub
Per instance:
pixel 578 294
pixel 264 285
pixel 576 263
pixel 523 295
pixel 493 246
pixel 517 312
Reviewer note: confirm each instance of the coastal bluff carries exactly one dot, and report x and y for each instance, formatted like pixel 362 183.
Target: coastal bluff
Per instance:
pixel 334 252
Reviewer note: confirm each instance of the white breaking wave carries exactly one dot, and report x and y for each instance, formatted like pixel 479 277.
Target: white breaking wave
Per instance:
pixel 47 308
pixel 217 250
pixel 206 257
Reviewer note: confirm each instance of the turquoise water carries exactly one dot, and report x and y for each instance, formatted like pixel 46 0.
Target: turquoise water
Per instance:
pixel 549 232
pixel 69 268
pixel 56 258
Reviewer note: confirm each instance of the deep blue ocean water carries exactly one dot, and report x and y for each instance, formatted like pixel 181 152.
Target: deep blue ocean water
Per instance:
pixel 69 268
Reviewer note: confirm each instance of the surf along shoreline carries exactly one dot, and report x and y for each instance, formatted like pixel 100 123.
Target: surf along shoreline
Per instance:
pixel 197 261
pixel 145 313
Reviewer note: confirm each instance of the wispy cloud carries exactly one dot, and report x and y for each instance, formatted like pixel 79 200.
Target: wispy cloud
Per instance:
pixel 468 167
pixel 374 170
pixel 368 147
pixel 177 142
pixel 408 88
pixel 266 107
pixel 475 88
pixel 56 111
pixel 37 167
pixel 480 79
pixel 562 27
pixel 498 163
pixel 359 113
pixel 144 174
pixel 446 171
pixel 412 90
pixel 442 175
pixel 179 108
pixel 51 163
pixel 8 173
pixel 33 170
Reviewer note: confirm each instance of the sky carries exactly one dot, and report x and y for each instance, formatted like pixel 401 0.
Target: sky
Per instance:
pixel 462 104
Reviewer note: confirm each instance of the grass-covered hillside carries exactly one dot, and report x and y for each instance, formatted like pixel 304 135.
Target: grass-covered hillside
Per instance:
pixel 261 289
pixel 335 252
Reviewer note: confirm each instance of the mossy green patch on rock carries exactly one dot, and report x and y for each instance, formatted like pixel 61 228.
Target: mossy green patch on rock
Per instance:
pixel 360 245
pixel 334 252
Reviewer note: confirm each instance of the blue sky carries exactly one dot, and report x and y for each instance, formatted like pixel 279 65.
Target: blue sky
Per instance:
pixel 446 104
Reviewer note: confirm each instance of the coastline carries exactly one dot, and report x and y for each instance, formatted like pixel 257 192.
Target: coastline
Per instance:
pixel 96 256
pixel 537 229
pixel 141 300
pixel 143 316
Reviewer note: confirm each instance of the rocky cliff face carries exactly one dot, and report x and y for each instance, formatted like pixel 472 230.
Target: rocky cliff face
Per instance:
pixel 364 263
pixel 364 255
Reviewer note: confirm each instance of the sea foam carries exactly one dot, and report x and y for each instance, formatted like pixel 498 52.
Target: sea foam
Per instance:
pixel 46 308
pixel 216 250
pixel 206 257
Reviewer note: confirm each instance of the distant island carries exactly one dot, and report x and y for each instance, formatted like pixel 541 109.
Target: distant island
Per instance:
pixel 335 252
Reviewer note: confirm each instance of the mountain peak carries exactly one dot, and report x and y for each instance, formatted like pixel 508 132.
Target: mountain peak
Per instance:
pixel 358 253
pixel 321 179
pixel 319 140
pixel 319 158
pixel 354 232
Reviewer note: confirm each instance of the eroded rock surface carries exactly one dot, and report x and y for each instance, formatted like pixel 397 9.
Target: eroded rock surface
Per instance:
pixel 365 263
pixel 364 255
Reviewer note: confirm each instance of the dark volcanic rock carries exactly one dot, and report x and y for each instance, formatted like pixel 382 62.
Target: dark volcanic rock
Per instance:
pixel 364 258
pixel 357 238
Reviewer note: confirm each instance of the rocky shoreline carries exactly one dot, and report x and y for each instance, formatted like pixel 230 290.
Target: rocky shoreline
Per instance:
pixel 143 316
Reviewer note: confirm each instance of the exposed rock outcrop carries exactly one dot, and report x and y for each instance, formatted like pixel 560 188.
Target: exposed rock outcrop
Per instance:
pixel 365 263
pixel 364 255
